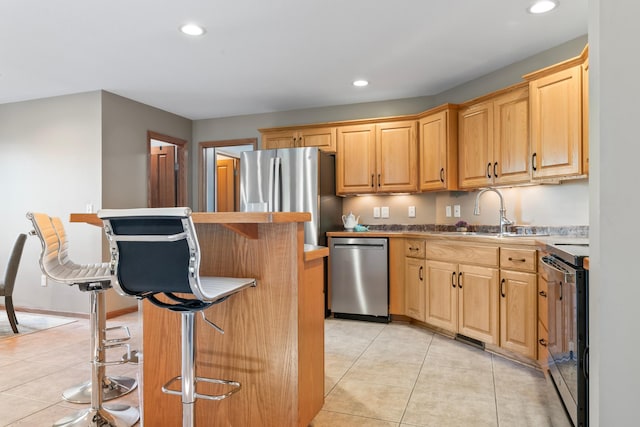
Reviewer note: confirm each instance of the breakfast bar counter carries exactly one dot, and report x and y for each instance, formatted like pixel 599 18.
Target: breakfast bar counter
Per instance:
pixel 274 333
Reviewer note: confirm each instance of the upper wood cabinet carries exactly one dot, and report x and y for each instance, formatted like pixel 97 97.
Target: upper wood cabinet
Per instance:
pixel 438 149
pixel 379 157
pixel 559 124
pixel 493 145
pixel 321 137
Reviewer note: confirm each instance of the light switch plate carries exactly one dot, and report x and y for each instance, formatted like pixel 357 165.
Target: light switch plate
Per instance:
pixel 412 212
pixel 385 211
pixel 456 211
pixel 448 211
pixel 376 212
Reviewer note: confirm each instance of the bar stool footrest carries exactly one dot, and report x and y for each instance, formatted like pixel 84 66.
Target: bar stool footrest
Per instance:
pixel 236 386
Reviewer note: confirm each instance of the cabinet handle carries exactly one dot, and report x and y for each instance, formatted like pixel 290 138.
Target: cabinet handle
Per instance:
pixel 542 294
pixel 453 279
pixel 378 180
pixel 517 259
pixel 534 158
pixel 460 280
pixel 420 273
pixel 372 180
pixel 560 298
pixel 442 175
pixel 495 169
pixel 411 248
pixel 489 170
pixel 502 288
pixel 543 342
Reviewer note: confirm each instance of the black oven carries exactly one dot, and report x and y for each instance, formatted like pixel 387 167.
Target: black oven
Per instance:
pixel 568 344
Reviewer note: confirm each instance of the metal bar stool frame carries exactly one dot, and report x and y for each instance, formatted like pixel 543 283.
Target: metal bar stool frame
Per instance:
pixel 112 386
pixel 156 251
pixel 95 279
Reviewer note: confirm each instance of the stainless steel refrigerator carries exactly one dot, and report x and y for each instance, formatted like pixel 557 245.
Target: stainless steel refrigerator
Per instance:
pixel 293 180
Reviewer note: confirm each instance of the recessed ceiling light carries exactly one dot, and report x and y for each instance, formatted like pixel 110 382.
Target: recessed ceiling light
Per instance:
pixel 192 29
pixel 360 83
pixel 542 6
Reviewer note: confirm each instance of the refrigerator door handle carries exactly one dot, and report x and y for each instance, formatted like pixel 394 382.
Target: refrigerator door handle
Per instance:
pixel 277 206
pixel 271 184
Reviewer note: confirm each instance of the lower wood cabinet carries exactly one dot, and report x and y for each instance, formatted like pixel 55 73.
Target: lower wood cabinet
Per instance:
pixel 518 312
pixel 415 292
pixel 463 299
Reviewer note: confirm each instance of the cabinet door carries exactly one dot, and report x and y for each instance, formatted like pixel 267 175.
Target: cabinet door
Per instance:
pixel 511 138
pixel 397 157
pixel 556 123
pixel 518 312
pixel 414 276
pixel 356 160
pixel 475 146
pixel 323 138
pixel 478 303
pixel 438 149
pixel 280 139
pixel 442 295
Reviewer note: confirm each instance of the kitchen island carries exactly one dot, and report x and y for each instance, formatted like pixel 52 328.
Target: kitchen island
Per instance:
pixel 274 333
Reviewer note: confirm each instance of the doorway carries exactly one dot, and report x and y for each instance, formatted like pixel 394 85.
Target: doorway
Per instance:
pixel 167 171
pixel 219 189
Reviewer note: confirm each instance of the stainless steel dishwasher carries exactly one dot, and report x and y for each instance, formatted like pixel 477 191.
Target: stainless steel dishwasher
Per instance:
pixel 360 278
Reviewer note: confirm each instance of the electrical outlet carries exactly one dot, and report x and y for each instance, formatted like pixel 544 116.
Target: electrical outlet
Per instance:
pixel 456 211
pixel 376 212
pixel 89 208
pixel 448 211
pixel 385 211
pixel 43 280
pixel 412 211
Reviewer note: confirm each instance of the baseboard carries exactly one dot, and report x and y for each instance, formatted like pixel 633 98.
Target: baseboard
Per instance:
pixel 110 314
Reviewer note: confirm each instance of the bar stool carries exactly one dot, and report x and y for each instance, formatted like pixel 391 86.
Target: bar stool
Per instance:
pixel 112 386
pixel 95 279
pixel 156 251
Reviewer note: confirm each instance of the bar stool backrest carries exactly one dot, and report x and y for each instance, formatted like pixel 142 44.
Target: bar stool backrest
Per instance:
pixel 153 250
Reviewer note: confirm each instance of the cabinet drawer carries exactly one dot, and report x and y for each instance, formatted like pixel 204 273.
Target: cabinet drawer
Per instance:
pixel 543 301
pixel 543 342
pixel 518 259
pixel 463 253
pixel 414 248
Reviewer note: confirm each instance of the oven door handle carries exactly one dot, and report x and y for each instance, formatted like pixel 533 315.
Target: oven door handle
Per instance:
pixel 555 265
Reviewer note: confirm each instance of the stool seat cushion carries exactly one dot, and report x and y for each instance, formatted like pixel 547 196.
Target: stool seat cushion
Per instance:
pixel 214 288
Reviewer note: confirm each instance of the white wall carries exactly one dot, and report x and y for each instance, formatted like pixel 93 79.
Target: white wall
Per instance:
pixel 614 153
pixel 50 162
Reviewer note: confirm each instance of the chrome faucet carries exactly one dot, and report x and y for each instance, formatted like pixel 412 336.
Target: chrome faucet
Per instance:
pixel 503 219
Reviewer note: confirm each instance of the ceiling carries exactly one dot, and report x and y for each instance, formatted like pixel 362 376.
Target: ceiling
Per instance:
pixel 262 56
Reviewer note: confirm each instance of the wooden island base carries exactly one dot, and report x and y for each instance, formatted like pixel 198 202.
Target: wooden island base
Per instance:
pixel 274 333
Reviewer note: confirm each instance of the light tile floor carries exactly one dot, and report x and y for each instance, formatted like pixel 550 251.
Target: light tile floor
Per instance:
pixel 377 375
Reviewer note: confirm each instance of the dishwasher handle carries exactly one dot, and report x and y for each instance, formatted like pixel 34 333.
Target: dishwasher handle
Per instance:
pixel 358 245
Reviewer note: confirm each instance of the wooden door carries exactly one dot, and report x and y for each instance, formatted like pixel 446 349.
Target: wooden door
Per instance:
pixel 279 139
pixel 397 157
pixel 556 123
pixel 323 138
pixel 475 146
pixel 438 149
pixel 518 312
pixel 415 292
pixel 356 160
pixel 511 138
pixel 163 177
pixel 478 303
pixel 226 185
pixel 442 295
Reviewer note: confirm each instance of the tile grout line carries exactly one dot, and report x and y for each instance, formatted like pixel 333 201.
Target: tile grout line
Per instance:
pixel 495 389
pixel 415 382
